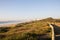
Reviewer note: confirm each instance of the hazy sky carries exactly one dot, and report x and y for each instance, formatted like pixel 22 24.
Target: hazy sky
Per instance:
pixel 29 9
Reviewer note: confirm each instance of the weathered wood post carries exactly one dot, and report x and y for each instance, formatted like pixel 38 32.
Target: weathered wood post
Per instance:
pixel 53 35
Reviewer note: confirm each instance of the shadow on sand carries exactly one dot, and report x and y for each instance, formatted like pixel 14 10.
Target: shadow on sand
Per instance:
pixel 56 31
pixel 57 38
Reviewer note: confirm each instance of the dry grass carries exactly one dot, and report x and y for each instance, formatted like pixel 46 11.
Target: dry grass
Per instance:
pixel 29 30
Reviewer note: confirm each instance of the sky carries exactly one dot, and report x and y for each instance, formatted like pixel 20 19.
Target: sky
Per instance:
pixel 29 9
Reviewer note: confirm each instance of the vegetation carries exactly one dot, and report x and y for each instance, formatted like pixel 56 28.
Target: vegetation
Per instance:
pixel 34 30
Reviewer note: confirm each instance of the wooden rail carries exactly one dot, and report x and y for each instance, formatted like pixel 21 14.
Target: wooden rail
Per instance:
pixel 53 35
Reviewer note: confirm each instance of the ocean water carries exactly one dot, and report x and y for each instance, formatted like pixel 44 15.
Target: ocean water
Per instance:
pixel 6 23
pixel 9 22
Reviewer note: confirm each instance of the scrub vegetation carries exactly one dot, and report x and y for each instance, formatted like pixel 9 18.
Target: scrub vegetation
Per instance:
pixel 33 30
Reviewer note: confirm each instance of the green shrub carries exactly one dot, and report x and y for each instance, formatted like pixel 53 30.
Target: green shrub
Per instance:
pixel 4 29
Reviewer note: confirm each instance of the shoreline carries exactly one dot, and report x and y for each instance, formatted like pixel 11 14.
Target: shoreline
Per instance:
pixel 8 24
